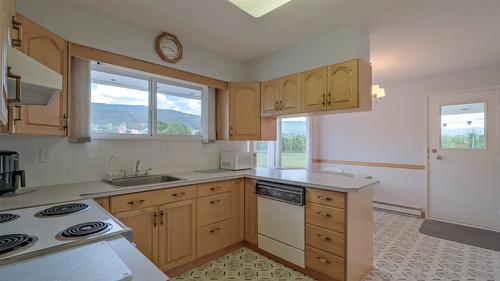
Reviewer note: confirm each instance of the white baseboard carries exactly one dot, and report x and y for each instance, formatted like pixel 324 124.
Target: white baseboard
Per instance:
pixel 400 209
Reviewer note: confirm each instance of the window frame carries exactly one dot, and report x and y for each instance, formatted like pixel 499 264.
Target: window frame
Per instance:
pixel 152 104
pixel 274 147
pixel 485 120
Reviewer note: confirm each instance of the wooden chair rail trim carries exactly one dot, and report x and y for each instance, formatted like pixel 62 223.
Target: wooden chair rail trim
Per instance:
pixel 372 164
pixel 81 51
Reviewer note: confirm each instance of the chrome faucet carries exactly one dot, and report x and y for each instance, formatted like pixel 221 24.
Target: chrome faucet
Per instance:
pixel 137 170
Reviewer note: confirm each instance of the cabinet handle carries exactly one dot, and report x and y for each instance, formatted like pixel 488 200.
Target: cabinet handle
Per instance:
pixel 324 198
pixel 324 103
pixel 161 217
pixel 276 105
pixel 282 105
pixel 19 27
pixel 65 124
pixel 214 202
pixel 138 202
pixel 18 85
pixel 214 188
pixel 231 131
pixel 323 214
pixel 179 194
pixel 215 230
pixel 323 260
pixel 329 100
pixel 155 220
pixel 322 237
pixel 18 118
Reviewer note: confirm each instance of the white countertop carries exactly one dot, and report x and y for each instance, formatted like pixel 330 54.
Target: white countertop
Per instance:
pixel 75 191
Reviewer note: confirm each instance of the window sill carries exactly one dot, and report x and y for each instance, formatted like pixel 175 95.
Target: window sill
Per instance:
pixel 145 137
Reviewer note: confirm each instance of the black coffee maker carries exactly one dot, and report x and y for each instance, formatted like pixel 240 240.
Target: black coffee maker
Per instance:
pixel 11 177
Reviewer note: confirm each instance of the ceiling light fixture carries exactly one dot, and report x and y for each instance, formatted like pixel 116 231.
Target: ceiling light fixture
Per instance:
pixel 258 8
pixel 378 93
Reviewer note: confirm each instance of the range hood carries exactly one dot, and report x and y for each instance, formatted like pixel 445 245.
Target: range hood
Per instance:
pixel 30 82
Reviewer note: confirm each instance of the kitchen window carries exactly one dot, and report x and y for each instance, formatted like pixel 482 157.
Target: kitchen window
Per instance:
pixel 291 150
pixel 127 104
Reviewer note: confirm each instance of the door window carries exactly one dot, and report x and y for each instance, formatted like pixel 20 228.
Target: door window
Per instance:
pixel 462 126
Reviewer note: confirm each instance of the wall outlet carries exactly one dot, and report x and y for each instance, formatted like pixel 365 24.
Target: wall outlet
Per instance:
pixel 45 154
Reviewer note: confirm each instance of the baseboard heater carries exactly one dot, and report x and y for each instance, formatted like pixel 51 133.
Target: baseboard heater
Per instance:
pixel 399 209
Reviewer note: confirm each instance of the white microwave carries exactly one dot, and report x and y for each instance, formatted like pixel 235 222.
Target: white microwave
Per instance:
pixel 237 160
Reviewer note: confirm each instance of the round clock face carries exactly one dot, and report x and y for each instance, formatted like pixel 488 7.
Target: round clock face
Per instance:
pixel 169 48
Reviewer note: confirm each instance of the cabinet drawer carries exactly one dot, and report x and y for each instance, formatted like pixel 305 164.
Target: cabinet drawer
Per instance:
pixel 328 241
pixel 212 188
pixel 325 263
pixel 214 208
pixel 140 200
pixel 213 237
pixel 327 198
pixel 326 217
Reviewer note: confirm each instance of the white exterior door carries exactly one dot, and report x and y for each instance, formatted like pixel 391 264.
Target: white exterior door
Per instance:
pixel 464 168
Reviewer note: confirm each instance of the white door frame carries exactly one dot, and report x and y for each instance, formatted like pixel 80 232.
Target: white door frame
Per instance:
pixel 427 97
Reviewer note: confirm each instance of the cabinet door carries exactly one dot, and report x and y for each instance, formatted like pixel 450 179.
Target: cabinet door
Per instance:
pixel 250 212
pixel 177 244
pixel 343 85
pixel 237 210
pixel 269 97
pixel 144 227
pixel 289 94
pixel 313 83
pixel 7 10
pixel 50 50
pixel 244 111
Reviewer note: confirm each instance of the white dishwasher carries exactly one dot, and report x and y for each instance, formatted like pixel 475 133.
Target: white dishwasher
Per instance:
pixel 280 220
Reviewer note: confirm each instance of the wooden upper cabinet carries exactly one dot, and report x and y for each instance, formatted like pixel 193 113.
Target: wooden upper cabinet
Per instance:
pixel 244 111
pixel 52 51
pixel 144 224
pixel 177 239
pixel 313 85
pixel 289 94
pixel 269 97
pixel 342 85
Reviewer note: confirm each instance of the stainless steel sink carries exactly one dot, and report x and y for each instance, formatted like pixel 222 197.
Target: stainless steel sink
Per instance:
pixel 142 180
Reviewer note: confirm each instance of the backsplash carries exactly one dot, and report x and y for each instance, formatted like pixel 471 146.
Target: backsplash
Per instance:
pixel 65 162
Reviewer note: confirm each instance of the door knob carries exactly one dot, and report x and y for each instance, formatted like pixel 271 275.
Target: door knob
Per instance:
pixel 439 157
pixel 434 150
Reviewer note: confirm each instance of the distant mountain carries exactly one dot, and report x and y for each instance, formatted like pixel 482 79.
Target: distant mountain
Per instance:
pixel 293 128
pixel 136 116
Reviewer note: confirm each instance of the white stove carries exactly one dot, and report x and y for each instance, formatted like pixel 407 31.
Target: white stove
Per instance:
pixel 29 232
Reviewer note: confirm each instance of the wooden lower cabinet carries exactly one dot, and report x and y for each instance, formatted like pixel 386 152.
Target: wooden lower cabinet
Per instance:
pixel 325 263
pixel 144 224
pixel 177 241
pixel 213 237
pixel 338 234
pixel 237 210
pixel 250 211
pixel 104 202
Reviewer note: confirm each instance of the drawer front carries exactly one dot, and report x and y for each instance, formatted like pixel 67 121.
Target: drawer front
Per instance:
pixel 325 263
pixel 211 188
pixel 327 198
pixel 325 217
pixel 213 237
pixel 214 208
pixel 328 241
pixel 141 200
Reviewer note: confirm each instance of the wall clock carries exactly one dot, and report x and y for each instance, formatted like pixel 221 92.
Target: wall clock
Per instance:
pixel 168 47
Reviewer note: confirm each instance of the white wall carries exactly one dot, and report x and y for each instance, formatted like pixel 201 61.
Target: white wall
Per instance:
pixel 328 48
pixel 394 131
pixel 88 162
pixel 93 29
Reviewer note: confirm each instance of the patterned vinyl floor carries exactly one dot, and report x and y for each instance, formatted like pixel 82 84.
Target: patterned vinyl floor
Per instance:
pixel 401 252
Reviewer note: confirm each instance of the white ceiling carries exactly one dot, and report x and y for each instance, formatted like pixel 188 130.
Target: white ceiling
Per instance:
pixel 408 37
